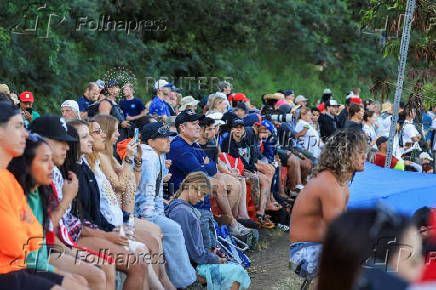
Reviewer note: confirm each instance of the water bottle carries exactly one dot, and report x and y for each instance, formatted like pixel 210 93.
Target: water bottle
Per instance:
pixel 123 234
pixel 130 227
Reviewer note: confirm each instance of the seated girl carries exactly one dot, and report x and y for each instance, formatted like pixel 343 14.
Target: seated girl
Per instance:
pixel 209 266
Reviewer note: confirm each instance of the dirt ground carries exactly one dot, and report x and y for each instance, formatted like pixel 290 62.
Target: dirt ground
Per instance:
pixel 269 263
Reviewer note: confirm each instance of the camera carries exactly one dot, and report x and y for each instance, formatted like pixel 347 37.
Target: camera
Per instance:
pixel 282 118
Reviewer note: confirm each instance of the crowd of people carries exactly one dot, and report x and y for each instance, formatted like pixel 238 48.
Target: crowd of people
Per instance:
pixel 119 185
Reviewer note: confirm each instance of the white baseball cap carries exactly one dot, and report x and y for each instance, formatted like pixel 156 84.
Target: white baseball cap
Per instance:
pixel 161 84
pixel 327 92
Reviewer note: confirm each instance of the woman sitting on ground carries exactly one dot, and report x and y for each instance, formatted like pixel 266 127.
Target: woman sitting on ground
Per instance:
pixel 209 266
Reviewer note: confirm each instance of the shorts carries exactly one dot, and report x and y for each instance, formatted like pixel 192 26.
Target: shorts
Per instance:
pixel 304 257
pixel 30 279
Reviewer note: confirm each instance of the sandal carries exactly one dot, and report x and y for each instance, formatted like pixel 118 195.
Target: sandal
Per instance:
pixel 264 221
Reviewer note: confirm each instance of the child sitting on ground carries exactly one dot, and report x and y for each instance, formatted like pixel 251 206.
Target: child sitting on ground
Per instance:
pixel 209 266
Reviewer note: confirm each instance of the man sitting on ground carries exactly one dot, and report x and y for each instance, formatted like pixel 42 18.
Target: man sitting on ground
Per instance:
pixel 323 198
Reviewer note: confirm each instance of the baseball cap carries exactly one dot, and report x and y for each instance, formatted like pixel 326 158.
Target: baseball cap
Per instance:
pixel 242 106
pixel 332 103
pixel 381 140
pixel 100 84
pixel 187 116
pixel 237 122
pixel 288 92
pixel 356 101
pixel 52 127
pixel 112 83
pixel 155 130
pixel 174 88
pixel 425 155
pixel 300 98
pixel 4 89
pixel 8 111
pixel 327 92
pixel 267 124
pixel 162 84
pixel 239 97
pixel 26 97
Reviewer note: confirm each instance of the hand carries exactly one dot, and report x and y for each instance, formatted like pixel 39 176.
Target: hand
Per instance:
pixel 115 238
pixel 206 160
pixel 407 162
pixel 168 163
pixel 167 177
pixel 71 186
pixel 125 124
pixel 222 260
pixel 138 154
pixel 131 148
pixel 28 116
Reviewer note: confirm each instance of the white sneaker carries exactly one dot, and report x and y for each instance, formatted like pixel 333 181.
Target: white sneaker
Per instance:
pixel 299 188
pixel 239 230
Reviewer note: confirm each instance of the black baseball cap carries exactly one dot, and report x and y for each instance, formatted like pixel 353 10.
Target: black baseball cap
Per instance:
pixel 237 122
pixel 187 116
pixel 7 111
pixel 381 140
pixel 155 130
pixel 52 127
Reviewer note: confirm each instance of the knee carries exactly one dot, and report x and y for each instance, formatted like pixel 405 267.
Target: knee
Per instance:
pixel 99 276
pixel 138 270
pixel 292 161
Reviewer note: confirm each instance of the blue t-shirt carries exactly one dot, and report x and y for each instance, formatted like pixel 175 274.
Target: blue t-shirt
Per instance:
pixel 83 103
pixel 132 107
pixel 159 107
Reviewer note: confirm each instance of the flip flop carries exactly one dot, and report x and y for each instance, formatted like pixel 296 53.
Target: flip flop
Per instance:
pixel 265 222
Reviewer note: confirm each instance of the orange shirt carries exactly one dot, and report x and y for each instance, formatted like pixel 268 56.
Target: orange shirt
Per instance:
pixel 20 231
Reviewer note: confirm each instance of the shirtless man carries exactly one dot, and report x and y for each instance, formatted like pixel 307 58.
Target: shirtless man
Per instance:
pixel 323 198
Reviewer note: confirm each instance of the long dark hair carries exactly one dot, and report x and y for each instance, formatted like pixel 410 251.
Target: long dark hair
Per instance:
pixel 21 166
pixel 73 154
pixel 356 237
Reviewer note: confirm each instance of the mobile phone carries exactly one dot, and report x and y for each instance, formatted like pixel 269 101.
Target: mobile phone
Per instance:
pixel 136 136
pixel 29 110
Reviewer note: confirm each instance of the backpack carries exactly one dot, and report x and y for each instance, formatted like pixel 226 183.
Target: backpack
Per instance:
pixel 93 109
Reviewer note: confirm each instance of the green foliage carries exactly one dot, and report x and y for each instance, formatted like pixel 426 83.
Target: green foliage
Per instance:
pixel 263 45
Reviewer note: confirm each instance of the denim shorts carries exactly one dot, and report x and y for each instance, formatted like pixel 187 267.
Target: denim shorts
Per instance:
pixel 304 257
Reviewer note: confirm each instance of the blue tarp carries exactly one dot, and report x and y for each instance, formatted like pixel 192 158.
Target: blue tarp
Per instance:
pixel 403 191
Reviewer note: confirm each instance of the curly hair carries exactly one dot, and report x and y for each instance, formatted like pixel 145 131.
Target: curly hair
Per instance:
pixel 339 153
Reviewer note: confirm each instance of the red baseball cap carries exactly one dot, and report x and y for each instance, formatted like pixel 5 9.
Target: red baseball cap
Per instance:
pixel 26 97
pixel 356 101
pixel 239 97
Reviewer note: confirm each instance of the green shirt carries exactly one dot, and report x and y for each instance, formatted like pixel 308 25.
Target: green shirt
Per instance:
pixel 38 259
pixel 35 115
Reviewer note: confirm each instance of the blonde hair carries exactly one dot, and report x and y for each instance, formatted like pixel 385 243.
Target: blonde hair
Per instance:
pixel 215 103
pixel 303 111
pixel 339 153
pixel 194 180
pixel 108 124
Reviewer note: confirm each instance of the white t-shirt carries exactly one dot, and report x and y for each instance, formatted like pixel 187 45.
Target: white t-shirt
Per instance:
pixel 311 139
pixel 409 132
